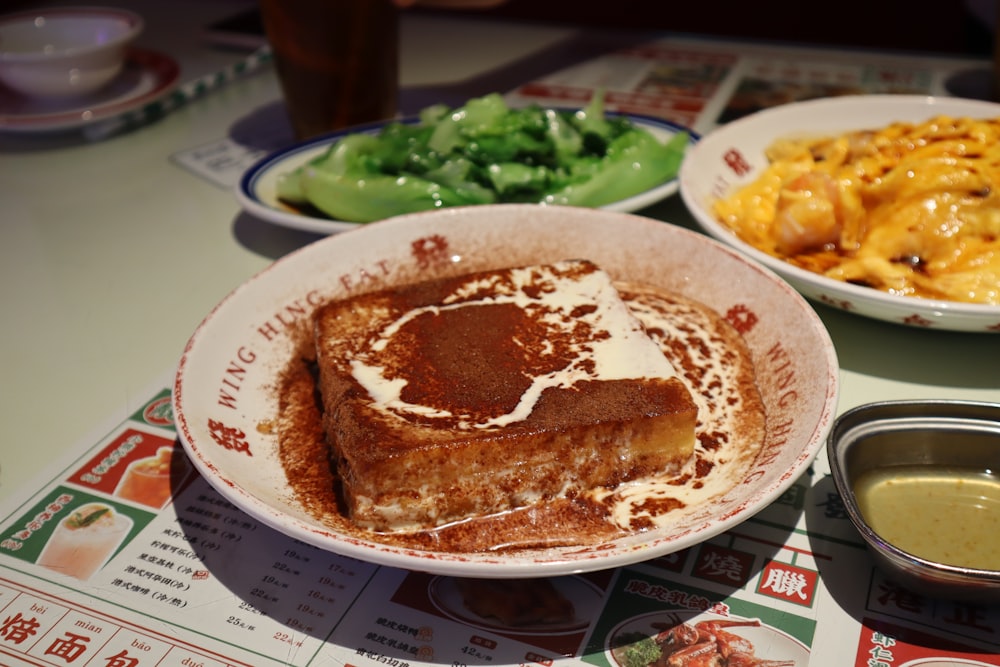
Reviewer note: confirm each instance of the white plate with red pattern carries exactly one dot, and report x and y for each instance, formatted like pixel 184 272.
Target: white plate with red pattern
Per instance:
pixel 147 77
pixel 225 402
pixel 734 155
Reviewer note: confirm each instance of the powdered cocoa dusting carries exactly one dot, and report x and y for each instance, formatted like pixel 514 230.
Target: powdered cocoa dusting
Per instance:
pixel 717 369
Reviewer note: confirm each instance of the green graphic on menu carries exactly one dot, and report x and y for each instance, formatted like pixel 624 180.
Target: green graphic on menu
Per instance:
pixel 158 411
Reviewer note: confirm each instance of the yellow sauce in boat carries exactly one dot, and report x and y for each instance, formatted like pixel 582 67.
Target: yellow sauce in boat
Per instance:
pixel 949 516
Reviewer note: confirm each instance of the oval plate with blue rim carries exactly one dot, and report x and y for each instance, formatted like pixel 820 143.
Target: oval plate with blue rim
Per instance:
pixel 257 188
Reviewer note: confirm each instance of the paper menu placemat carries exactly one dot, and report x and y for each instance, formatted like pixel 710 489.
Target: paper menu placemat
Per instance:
pixel 696 82
pixel 190 580
pixel 703 83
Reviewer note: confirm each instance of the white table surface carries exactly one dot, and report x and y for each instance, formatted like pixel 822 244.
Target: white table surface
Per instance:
pixel 111 253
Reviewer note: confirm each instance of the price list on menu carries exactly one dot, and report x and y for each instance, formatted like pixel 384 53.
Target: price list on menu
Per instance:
pixel 126 557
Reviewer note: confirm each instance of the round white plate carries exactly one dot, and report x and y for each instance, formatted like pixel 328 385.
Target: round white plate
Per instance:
pixel 733 155
pixel 582 594
pixel 945 662
pixel 146 77
pixel 769 643
pixel 224 386
pixel 257 188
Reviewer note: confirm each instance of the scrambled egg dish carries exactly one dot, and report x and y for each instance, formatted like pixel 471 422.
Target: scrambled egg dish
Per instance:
pixel 911 209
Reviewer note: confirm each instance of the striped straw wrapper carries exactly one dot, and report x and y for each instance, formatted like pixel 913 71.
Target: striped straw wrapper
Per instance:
pixel 178 97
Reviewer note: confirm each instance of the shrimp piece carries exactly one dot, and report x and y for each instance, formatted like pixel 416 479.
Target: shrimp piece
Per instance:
pixel 808 215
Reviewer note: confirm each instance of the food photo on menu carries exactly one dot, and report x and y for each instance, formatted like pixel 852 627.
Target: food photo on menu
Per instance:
pixel 105 501
pixel 84 541
pixel 709 642
pixel 636 630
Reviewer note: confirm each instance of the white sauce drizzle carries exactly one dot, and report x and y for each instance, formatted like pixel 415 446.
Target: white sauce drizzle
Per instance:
pixel 627 353
pixel 713 392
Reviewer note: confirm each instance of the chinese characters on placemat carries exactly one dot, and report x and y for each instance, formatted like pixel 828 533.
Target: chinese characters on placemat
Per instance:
pixel 127 558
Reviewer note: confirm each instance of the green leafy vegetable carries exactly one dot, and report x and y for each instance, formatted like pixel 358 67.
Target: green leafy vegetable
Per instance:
pixel 642 652
pixel 485 152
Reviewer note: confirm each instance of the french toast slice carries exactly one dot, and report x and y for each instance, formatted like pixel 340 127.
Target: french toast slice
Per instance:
pixel 477 394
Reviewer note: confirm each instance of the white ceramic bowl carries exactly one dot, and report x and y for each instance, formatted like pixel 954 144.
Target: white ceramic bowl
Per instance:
pixel 65 52
pixel 792 351
pixel 733 155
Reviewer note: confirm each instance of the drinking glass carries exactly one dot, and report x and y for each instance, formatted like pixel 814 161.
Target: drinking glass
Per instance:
pixel 337 61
